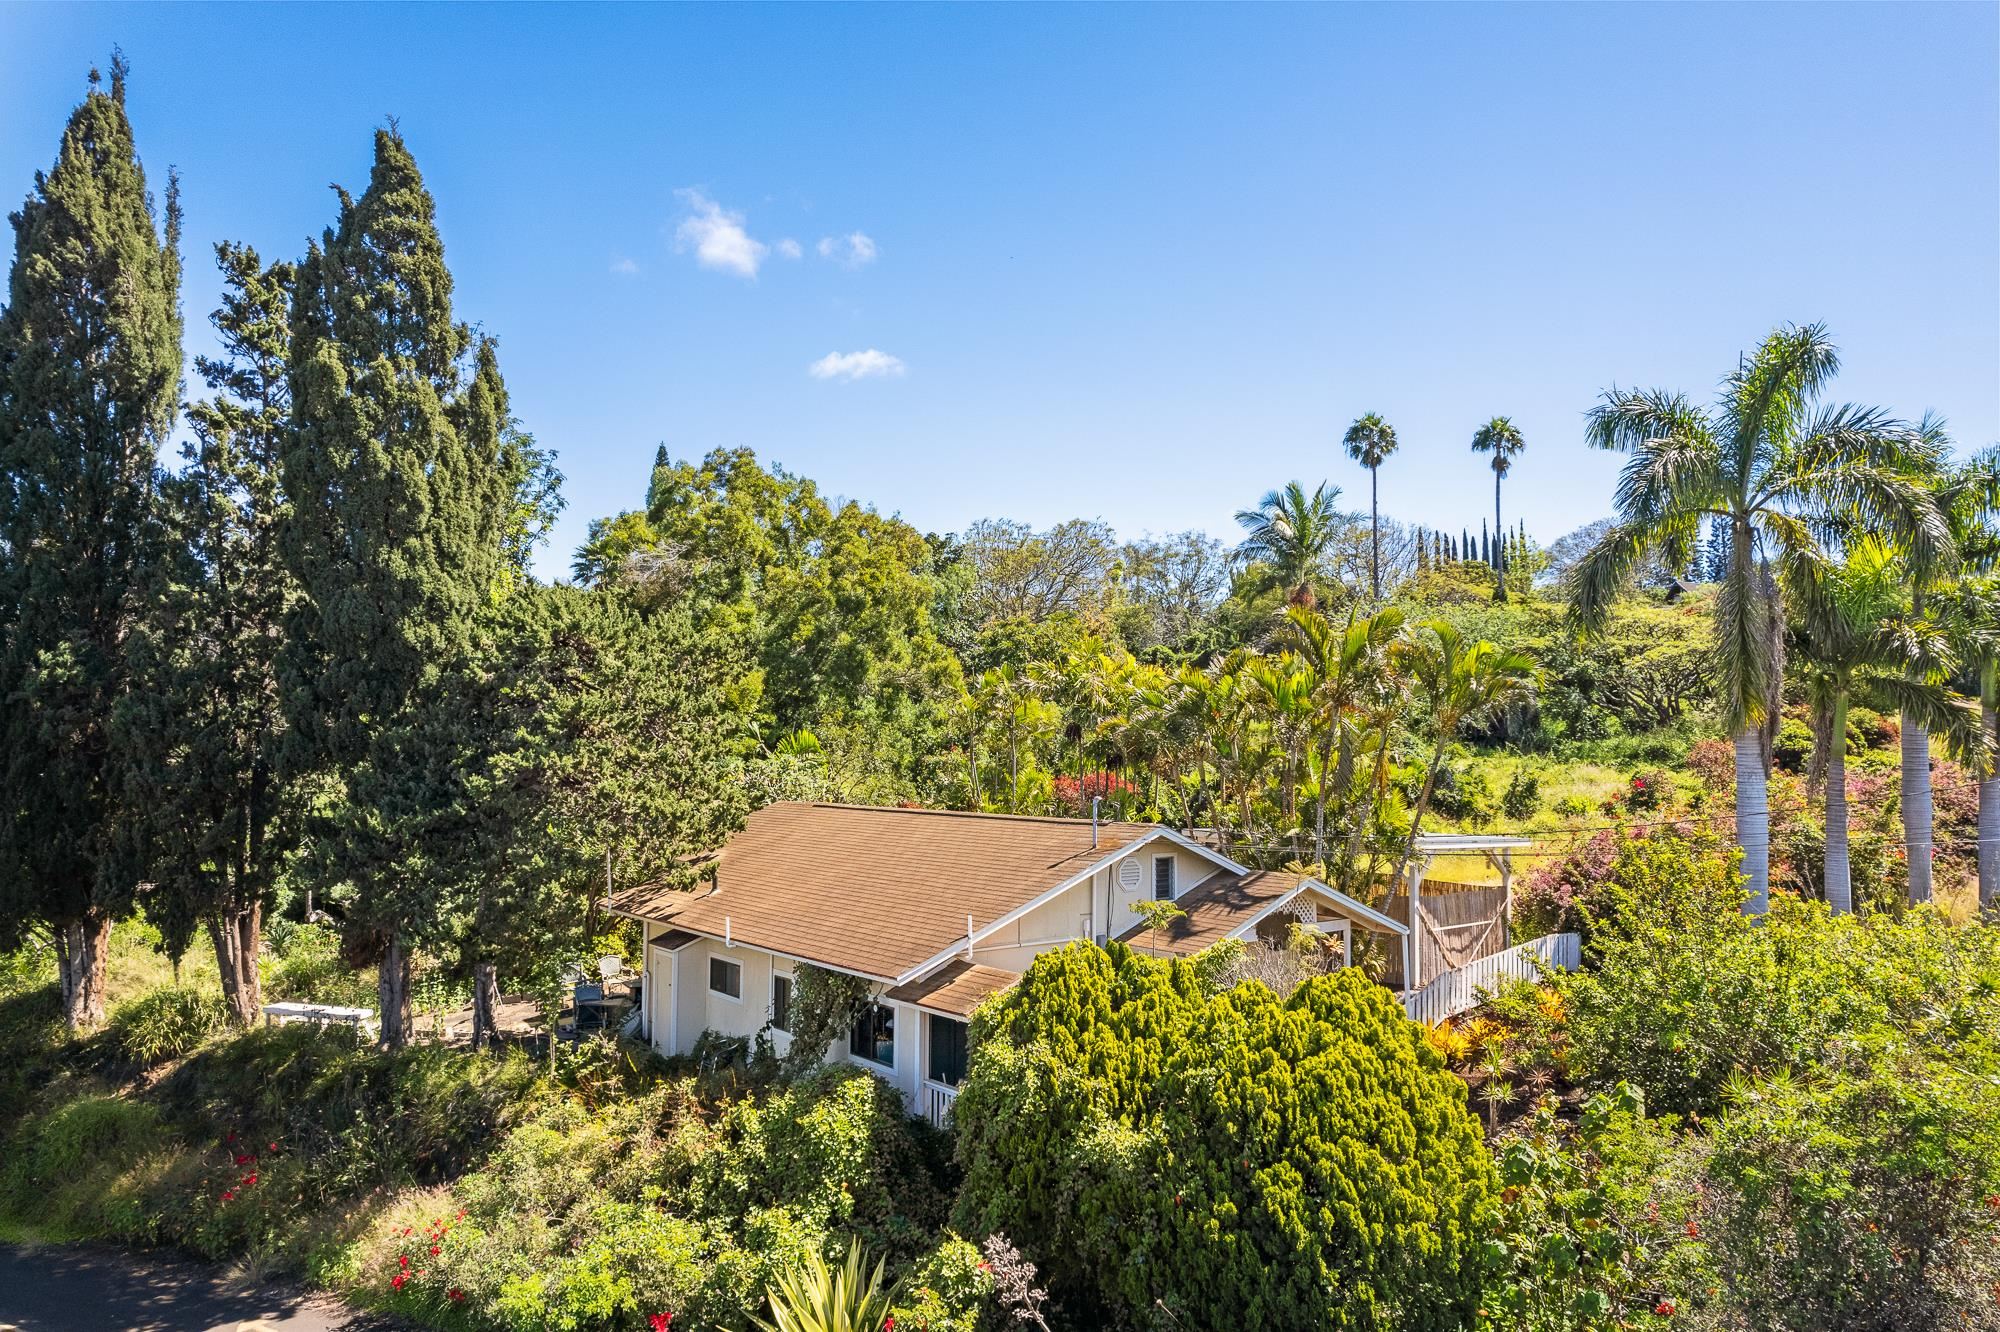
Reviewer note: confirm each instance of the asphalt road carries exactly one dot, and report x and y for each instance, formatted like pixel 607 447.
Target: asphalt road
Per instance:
pixel 88 1288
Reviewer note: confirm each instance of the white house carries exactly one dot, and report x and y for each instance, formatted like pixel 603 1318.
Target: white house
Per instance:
pixel 937 910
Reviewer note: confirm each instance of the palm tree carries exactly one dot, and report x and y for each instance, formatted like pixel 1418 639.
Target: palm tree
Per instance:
pixel 1281 692
pixel 1501 438
pixel 1294 533
pixel 1456 683
pixel 1769 463
pixel 1370 440
pixel 1966 497
pixel 1344 662
pixel 1854 645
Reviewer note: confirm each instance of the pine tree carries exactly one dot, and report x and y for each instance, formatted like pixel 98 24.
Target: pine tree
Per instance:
pixel 397 506
pixel 90 366
pixel 592 756
pixel 221 812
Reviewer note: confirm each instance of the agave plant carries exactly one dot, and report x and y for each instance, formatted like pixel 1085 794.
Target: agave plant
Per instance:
pixel 819 1297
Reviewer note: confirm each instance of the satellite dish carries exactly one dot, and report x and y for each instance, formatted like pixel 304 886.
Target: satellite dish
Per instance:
pixel 1129 874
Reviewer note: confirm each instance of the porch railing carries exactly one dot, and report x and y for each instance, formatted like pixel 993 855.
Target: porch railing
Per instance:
pixel 938 1100
pixel 1453 992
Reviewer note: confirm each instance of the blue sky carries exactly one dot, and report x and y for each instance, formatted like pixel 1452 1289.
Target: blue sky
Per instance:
pixel 1132 263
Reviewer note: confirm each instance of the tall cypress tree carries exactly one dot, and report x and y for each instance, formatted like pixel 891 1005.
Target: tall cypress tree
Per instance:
pixel 90 366
pixel 221 813
pixel 397 505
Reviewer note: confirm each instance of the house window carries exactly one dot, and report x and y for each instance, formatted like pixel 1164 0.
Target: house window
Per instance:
pixel 1163 878
pixel 947 1062
pixel 781 1003
pixel 725 977
pixel 874 1035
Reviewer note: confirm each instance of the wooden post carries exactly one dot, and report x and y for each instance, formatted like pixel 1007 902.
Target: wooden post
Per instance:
pixel 1413 976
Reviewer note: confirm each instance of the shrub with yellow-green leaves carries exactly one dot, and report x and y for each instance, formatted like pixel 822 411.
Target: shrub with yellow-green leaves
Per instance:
pixel 1233 1158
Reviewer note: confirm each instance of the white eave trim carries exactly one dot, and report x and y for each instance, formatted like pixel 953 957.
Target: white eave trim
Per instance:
pixel 1353 908
pixel 1158 833
pixel 792 958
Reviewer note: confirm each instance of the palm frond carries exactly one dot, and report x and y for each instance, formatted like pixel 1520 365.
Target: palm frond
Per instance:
pixel 1596 580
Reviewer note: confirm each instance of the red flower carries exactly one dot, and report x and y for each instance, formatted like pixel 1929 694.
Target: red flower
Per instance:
pixel 1665 1308
pixel 229 1195
pixel 403 1261
pixel 454 1294
pixel 889 1324
pixel 245 1160
pixel 274 1146
pixel 434 1250
pixel 659 1321
pixel 397 1284
pixel 1693 1230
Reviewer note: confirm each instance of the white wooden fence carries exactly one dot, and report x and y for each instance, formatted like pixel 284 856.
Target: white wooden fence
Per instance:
pixel 1453 992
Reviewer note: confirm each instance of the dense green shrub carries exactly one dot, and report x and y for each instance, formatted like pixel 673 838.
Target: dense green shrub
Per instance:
pixel 1865 1196
pixel 1462 792
pixel 598 1218
pixel 1523 795
pixel 836 1149
pixel 167 1023
pixel 1682 992
pixel 1235 1159
pixel 1575 1247
pixel 946 1290
pixel 71 1171
pixel 308 966
pixel 361 1116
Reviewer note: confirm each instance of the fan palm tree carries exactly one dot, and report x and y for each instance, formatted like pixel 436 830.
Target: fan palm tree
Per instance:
pixel 1456 683
pixel 1501 438
pixel 1370 441
pixel 1770 464
pixel 1854 644
pixel 1294 533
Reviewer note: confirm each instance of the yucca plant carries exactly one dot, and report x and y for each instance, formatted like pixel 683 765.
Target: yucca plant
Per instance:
pixel 819 1297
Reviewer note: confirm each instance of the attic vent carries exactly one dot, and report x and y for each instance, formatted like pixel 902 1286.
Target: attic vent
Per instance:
pixel 1130 875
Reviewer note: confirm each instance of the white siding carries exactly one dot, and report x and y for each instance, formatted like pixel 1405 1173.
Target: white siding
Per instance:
pixel 1096 907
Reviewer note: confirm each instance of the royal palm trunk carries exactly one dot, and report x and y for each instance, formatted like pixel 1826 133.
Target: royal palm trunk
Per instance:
pixel 1917 811
pixel 1753 819
pixel 1839 874
pixel 1989 808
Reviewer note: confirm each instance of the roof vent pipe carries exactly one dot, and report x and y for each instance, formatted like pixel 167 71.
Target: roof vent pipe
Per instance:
pixel 727 942
pixel 1093 821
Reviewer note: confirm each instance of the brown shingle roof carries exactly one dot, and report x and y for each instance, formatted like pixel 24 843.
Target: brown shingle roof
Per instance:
pixel 1215 908
pixel 877 891
pixel 955 988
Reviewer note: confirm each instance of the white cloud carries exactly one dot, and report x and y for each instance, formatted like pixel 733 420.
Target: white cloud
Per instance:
pixel 851 366
pixel 789 248
pixel 849 251
pixel 624 266
pixel 717 237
